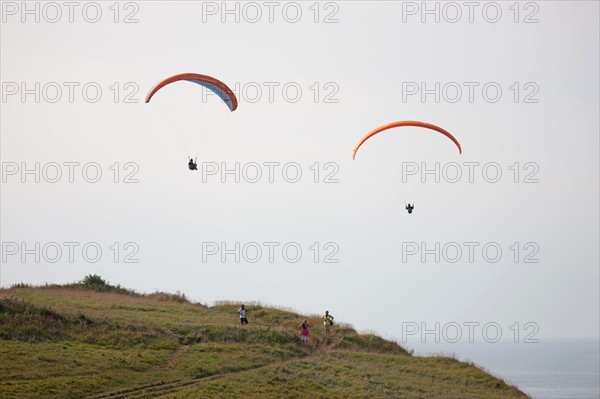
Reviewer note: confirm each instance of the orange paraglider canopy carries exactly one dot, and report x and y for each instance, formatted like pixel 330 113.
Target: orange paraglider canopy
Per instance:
pixel 213 84
pixel 407 123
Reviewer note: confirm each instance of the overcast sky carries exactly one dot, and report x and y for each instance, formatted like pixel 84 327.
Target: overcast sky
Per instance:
pixel 517 86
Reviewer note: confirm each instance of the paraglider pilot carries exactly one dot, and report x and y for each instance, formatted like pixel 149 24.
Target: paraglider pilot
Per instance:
pixel 409 208
pixel 192 164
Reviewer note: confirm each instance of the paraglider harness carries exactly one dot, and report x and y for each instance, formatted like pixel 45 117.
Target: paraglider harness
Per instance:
pixel 192 165
pixel 328 320
pixel 410 208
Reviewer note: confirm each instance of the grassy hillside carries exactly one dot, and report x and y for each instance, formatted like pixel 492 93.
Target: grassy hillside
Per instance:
pixel 99 341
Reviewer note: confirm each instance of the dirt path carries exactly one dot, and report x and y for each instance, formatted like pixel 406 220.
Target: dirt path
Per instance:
pixel 162 388
pixel 182 350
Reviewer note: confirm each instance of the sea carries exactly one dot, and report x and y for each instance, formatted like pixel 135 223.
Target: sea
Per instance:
pixel 555 369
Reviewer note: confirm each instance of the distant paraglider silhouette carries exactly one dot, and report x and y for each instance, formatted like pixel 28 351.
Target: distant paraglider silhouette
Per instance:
pixel 409 207
pixel 214 85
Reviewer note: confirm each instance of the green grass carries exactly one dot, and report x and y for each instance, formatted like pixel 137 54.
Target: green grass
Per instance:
pixel 341 374
pixel 91 339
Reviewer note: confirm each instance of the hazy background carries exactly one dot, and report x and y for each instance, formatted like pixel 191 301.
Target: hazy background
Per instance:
pixel 366 55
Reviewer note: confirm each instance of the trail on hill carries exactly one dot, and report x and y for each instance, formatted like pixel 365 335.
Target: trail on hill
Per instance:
pixel 181 351
pixel 162 388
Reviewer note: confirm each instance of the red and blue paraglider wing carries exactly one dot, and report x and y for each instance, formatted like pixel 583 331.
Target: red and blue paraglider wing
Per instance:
pixel 212 84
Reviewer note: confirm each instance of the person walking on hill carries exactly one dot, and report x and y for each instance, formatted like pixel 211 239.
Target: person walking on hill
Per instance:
pixel 304 332
pixel 242 313
pixel 327 322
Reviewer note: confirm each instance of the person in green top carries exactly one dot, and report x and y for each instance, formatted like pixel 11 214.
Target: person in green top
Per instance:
pixel 327 322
